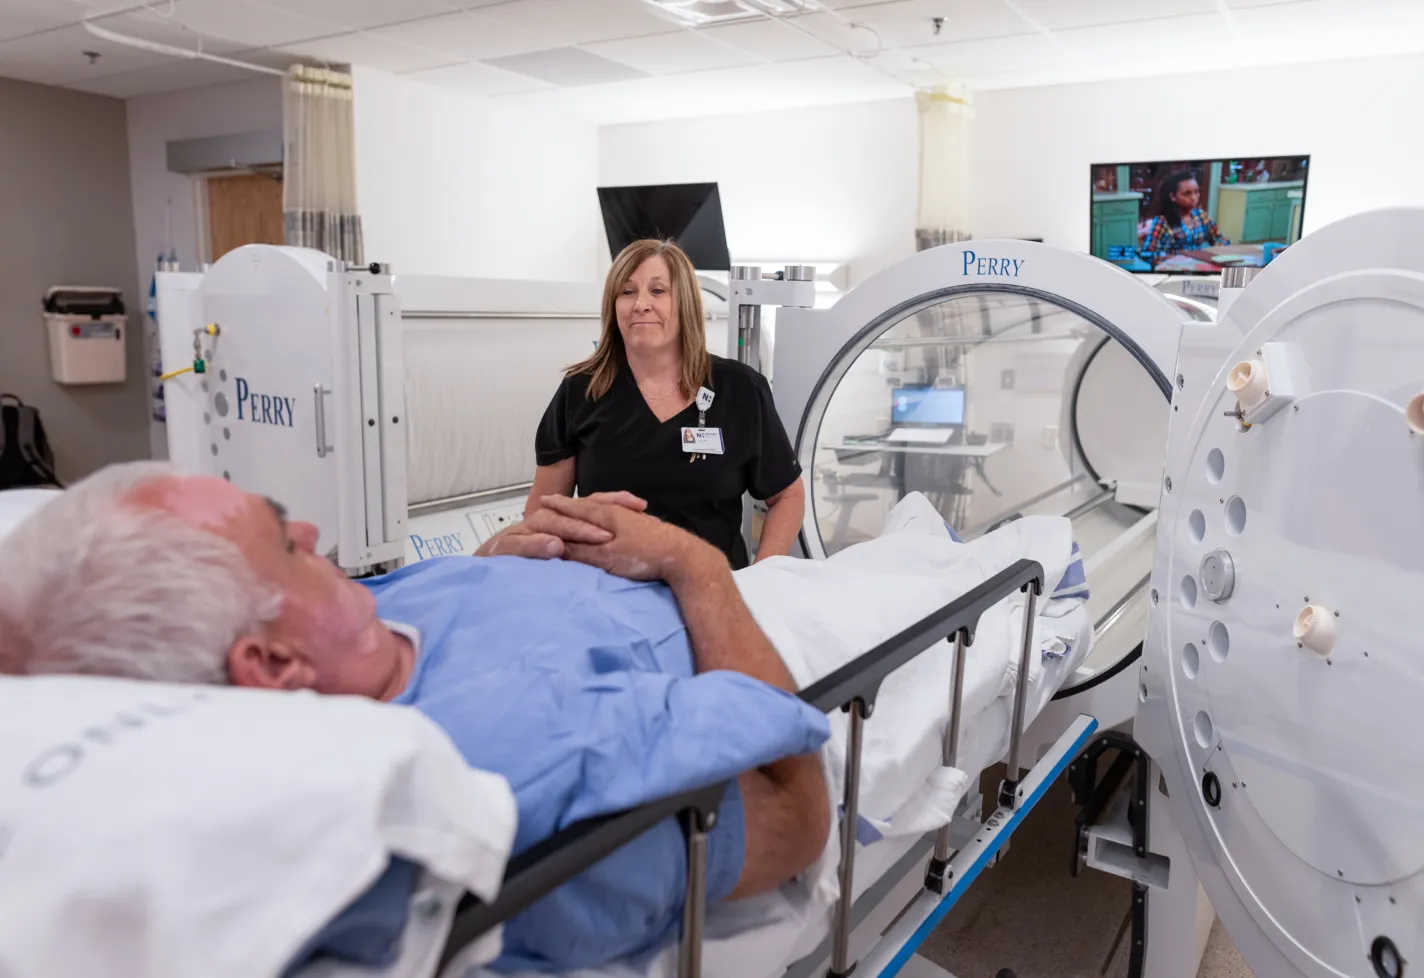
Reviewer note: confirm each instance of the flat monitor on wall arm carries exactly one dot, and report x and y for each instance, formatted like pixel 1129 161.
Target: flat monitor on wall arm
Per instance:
pixel 688 213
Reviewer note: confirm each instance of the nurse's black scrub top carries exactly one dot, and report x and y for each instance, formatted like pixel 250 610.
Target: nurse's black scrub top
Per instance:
pixel 619 444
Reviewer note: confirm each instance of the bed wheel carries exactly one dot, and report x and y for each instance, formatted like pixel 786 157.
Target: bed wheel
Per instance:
pixel 1006 973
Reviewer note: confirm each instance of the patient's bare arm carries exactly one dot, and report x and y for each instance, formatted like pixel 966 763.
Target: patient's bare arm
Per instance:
pixel 785 804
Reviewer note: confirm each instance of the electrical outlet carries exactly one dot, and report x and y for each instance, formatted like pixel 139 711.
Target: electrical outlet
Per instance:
pixel 1001 433
pixel 1050 436
pixel 1006 380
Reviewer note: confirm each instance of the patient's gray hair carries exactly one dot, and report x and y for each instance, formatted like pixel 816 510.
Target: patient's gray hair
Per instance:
pixel 93 583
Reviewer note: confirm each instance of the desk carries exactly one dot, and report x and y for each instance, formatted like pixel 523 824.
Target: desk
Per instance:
pixel 941 471
pixel 1209 259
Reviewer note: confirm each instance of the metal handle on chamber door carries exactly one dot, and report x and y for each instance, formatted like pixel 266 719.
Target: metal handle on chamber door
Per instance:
pixel 319 393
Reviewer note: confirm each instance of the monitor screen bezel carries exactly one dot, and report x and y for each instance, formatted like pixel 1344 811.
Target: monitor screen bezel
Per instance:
pixel 1175 273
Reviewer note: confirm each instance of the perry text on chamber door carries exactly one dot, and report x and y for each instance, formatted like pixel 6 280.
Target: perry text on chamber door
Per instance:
pixel 992 267
pixel 264 408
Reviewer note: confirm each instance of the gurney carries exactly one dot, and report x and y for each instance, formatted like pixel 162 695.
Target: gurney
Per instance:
pixel 914 880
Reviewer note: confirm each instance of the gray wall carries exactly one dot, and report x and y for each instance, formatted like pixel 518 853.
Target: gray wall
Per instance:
pixel 66 218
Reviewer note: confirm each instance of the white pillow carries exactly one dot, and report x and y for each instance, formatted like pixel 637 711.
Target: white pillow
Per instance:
pixel 16 504
pixel 170 831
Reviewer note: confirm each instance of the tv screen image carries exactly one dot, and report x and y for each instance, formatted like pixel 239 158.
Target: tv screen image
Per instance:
pixel 1196 217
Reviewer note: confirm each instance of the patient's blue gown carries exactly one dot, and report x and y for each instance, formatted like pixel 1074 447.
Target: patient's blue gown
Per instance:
pixel 579 688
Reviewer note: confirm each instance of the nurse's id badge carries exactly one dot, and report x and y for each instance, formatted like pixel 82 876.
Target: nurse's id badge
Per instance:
pixel 703 441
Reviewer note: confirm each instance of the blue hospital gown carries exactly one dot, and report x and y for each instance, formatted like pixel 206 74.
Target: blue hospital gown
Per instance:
pixel 578 687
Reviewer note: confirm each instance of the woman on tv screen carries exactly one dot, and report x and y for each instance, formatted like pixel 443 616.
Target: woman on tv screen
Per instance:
pixel 1180 224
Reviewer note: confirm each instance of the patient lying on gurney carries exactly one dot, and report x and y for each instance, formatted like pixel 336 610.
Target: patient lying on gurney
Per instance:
pixel 588 690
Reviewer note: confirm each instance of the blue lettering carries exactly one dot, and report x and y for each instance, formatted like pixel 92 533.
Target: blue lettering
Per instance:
pixel 279 405
pixel 419 544
pixel 993 266
pixel 266 408
pixel 454 543
pixel 242 393
pixel 968 260
pixel 979 266
pixel 291 411
pixel 1017 263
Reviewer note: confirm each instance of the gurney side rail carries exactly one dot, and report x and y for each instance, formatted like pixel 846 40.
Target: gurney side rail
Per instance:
pixel 854 687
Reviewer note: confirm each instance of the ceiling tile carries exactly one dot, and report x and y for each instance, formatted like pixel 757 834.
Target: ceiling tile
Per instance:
pixel 838 33
pixel 582 21
pixel 21 17
pixel 567 67
pixel 678 51
pixel 995 54
pixel 769 40
pixel 912 22
pixel 369 50
pixel 148 25
pixel 362 14
pixel 479 79
pixel 251 24
pixel 840 69
pixel 1063 14
pixel 1142 38
pixel 57 57
pixel 166 78
pixel 468 36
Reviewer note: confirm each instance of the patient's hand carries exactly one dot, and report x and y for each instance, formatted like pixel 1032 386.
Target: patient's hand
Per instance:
pixel 544 533
pixel 638 547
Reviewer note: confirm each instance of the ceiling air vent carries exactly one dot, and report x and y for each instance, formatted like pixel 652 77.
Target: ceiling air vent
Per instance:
pixel 700 13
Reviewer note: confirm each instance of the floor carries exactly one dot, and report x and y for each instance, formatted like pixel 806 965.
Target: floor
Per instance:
pixel 1031 915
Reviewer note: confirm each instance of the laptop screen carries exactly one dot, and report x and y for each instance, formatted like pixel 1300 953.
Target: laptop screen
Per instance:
pixel 928 406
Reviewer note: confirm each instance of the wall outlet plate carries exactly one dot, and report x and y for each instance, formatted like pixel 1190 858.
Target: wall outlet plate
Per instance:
pixel 1050 436
pixel 1001 433
pixel 1006 380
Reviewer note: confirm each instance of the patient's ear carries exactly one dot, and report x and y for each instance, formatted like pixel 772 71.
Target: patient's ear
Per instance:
pixel 257 662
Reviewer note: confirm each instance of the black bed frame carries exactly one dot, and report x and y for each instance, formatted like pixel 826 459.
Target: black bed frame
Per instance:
pixel 544 867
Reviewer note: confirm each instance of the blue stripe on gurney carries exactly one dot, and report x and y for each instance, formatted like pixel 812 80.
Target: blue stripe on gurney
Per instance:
pixel 952 535
pixel 960 885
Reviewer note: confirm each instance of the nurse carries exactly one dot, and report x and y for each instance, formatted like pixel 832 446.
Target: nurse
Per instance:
pixel 653 413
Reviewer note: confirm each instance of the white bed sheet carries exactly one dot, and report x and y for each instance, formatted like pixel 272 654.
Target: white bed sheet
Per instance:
pixel 763 936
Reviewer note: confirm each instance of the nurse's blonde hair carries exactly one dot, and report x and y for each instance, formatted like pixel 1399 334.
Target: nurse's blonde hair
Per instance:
pixel 603 366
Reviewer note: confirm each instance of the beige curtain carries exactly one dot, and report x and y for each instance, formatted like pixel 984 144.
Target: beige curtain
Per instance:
pixel 946 117
pixel 319 168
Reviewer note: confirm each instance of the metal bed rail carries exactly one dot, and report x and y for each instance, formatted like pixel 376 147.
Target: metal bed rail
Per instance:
pixel 853 688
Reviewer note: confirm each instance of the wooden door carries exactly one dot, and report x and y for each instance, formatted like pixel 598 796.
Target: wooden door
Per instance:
pixel 243 209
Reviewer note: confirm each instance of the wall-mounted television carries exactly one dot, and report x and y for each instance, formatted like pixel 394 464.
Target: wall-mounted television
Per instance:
pixel 1196 217
pixel 688 213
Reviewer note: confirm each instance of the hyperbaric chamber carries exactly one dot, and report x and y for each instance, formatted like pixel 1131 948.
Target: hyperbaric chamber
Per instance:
pixel 1040 384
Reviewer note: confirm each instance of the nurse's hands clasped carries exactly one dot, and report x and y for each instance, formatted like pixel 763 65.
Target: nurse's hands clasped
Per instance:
pixel 546 533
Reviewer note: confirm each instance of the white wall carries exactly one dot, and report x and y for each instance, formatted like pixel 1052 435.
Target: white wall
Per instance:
pixel 156 120
pixel 824 184
pixel 455 184
pixel 1033 147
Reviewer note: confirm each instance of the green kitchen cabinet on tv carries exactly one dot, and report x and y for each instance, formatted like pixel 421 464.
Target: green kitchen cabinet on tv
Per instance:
pixel 1249 213
pixel 1114 222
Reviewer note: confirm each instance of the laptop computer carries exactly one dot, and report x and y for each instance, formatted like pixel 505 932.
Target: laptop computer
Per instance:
pixel 922 415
